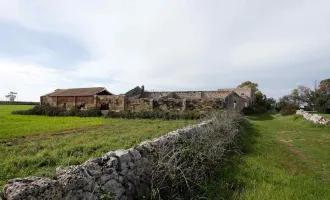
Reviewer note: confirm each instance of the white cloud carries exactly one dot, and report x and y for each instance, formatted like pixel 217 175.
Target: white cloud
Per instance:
pixel 173 44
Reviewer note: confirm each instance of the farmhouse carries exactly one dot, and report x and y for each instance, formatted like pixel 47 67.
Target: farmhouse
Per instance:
pixel 138 99
pixel 75 97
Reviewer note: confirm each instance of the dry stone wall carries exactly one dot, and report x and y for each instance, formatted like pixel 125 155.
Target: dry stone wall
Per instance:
pixel 315 118
pixel 121 174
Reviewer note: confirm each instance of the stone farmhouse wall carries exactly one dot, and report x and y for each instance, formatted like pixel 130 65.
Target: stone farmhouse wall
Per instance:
pixel 137 105
pixel 123 173
pixel 69 102
pixel 139 100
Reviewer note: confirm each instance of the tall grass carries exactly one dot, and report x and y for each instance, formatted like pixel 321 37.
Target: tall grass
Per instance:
pixel 283 158
pixel 41 155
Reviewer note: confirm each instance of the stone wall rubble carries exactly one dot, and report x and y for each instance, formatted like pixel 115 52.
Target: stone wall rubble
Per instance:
pixel 315 118
pixel 121 174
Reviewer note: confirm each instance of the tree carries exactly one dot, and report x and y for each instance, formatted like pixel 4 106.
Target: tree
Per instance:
pixel 322 97
pixel 249 84
pixel 11 96
pixel 324 87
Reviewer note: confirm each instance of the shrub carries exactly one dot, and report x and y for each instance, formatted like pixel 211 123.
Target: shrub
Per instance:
pixel 56 111
pixel 180 168
pixel 18 103
pixel 255 109
pixel 156 114
pixel 289 109
pixel 94 112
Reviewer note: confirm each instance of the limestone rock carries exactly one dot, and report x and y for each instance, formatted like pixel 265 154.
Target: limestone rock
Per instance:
pixel 32 188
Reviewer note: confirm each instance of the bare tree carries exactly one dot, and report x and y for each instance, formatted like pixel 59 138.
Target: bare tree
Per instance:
pixel 11 96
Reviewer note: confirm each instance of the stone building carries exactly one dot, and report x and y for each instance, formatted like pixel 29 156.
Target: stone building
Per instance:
pixel 236 98
pixel 138 99
pixel 76 97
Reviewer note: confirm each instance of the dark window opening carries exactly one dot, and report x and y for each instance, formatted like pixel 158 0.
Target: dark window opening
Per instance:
pixel 104 106
pixel 82 106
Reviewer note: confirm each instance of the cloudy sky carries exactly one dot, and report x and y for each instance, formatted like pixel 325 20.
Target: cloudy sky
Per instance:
pixel 163 44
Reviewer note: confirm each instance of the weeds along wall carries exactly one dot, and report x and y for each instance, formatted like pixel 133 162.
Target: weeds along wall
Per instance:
pixel 166 167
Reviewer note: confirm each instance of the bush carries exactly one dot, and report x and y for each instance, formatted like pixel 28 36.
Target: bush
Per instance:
pixel 289 109
pixel 18 103
pixel 56 111
pixel 180 168
pixel 156 114
pixel 255 109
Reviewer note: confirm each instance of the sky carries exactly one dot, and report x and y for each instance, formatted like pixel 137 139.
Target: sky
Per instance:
pixel 163 45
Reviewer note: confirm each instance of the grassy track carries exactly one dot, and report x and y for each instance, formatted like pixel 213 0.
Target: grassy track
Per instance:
pixel 284 158
pixel 40 155
pixel 23 125
pixel 325 115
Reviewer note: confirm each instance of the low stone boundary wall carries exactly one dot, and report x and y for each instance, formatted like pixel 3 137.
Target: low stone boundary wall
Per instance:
pixel 315 118
pixel 121 174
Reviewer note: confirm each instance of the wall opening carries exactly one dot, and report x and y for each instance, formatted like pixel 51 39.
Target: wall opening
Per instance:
pixel 104 106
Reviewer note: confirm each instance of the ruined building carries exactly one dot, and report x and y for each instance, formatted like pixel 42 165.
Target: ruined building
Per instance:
pixel 138 99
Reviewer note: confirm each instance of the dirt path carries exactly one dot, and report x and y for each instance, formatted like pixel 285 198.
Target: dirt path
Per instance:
pixel 300 155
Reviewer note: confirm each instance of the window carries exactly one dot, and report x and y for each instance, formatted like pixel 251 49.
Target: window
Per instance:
pixel 242 94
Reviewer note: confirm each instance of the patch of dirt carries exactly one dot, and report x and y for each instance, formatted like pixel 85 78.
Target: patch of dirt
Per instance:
pixel 300 155
pixel 19 140
pixel 320 141
pixel 287 132
pixel 286 141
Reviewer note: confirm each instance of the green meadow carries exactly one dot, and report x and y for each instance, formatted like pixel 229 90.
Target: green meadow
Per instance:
pixel 282 158
pixel 37 145
pixel 12 126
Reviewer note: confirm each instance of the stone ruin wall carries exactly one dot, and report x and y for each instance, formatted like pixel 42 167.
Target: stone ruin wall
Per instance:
pixel 123 173
pixel 89 101
pixel 234 101
pixel 315 118
pixel 115 102
pixel 68 102
pixel 170 104
pixel 47 100
pixel 65 102
pixel 248 92
pixel 137 105
pixel 139 100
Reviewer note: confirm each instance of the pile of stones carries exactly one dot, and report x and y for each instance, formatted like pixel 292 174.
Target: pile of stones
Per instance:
pixel 315 118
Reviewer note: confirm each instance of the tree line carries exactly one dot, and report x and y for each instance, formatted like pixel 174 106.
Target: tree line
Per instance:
pixel 313 99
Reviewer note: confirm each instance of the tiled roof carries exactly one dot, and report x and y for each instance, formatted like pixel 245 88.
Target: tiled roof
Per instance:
pixel 78 92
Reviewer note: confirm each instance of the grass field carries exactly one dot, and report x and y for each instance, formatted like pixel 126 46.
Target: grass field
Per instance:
pixel 24 125
pixel 325 115
pixel 42 151
pixel 284 158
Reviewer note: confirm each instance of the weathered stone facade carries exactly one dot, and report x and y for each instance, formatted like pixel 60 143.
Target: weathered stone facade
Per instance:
pixel 138 99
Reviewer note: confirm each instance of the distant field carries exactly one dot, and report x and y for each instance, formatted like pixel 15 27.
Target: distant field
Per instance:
pixel 284 158
pixel 40 155
pixel 23 125
pixel 325 115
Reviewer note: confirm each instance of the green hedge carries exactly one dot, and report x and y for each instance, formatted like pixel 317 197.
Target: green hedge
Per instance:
pixel 255 109
pixel 156 114
pixel 18 103
pixel 289 109
pixel 55 111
